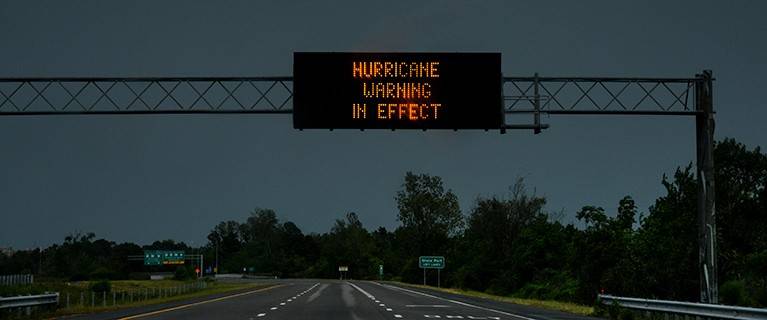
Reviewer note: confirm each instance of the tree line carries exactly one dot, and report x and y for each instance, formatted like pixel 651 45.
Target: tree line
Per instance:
pixel 507 245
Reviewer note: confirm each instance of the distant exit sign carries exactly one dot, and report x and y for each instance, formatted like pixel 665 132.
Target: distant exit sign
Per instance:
pixel 163 257
pixel 397 90
pixel 431 262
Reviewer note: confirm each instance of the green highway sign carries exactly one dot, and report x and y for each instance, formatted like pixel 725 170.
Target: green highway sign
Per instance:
pixel 431 262
pixel 163 257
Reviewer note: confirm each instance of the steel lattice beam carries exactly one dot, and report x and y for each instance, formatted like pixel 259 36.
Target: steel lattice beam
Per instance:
pixel 600 95
pixel 44 96
pixel 552 95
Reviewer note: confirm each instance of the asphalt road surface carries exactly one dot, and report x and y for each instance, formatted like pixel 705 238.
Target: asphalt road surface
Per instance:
pixel 324 299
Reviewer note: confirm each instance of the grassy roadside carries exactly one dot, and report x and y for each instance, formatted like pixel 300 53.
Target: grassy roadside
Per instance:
pixel 213 288
pixel 75 289
pixel 545 304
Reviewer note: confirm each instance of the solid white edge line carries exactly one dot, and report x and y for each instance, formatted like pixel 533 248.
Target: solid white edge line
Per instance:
pixel 151 313
pixel 455 301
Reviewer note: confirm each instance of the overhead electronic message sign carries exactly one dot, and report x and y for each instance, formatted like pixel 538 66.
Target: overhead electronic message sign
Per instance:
pixel 333 90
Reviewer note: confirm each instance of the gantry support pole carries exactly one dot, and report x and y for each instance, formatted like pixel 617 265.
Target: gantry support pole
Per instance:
pixel 709 288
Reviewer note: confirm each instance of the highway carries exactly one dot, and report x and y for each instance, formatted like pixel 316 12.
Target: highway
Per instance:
pixel 329 299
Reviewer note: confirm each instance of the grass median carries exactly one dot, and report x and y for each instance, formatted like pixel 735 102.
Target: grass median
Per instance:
pixel 568 307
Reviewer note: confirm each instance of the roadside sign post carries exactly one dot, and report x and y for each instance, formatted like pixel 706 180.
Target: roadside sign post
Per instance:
pixel 380 272
pixel 342 270
pixel 431 262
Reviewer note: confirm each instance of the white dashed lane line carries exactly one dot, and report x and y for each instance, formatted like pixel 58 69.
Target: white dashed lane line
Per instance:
pixel 289 300
pixel 373 298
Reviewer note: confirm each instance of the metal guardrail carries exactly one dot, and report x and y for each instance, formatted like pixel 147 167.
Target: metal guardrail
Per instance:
pixel 14 279
pixel 29 301
pixel 714 311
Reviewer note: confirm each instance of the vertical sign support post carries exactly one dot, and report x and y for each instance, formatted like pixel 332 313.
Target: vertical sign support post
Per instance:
pixel 432 262
pixel 704 127
pixel 536 106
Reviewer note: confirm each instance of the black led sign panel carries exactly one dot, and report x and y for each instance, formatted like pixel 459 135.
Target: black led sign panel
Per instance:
pixel 333 90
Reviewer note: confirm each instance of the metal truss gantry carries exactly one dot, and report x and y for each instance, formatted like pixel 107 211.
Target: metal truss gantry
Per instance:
pixel 523 96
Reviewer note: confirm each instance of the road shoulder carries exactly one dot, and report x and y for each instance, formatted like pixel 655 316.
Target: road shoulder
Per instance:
pixel 533 312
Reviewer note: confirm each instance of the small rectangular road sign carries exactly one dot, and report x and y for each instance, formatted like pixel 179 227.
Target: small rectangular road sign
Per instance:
pixel 431 262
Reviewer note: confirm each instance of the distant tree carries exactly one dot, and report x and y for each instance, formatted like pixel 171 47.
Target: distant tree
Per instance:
pixel 499 241
pixel 667 242
pixel 429 213
pixel 167 244
pixel 226 235
pixel 741 181
pixel 350 244
pixel 260 230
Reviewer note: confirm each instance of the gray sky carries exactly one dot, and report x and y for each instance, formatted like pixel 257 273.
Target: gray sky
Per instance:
pixel 143 178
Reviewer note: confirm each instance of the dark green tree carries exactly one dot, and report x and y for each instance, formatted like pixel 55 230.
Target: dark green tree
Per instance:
pixel 428 212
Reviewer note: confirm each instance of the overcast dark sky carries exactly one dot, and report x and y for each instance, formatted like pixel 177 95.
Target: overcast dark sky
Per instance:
pixel 142 178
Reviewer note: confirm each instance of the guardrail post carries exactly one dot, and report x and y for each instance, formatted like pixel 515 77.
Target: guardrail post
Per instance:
pixel 82 298
pixel 67 300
